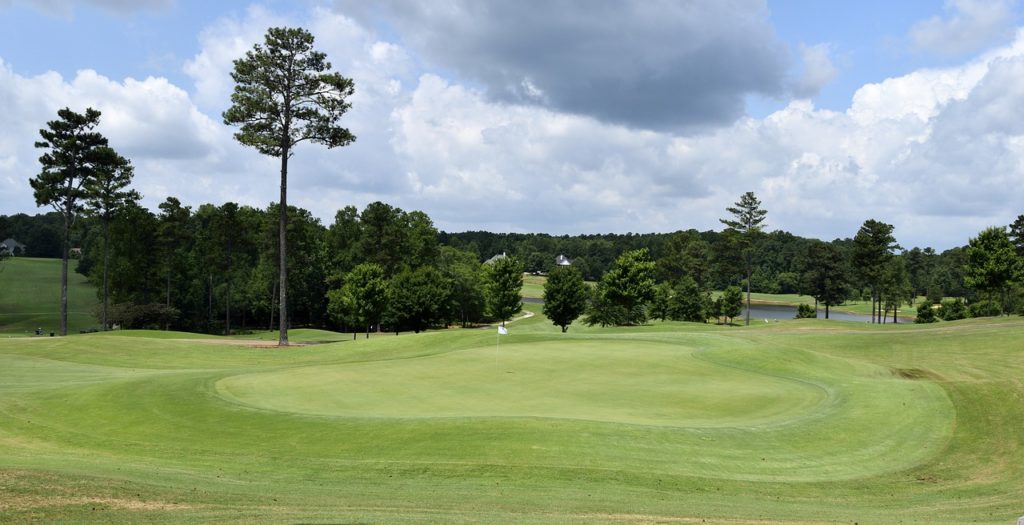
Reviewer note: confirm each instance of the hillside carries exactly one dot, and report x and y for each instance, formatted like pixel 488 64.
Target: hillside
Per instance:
pixel 30 297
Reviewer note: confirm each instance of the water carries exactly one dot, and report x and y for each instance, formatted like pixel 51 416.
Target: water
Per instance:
pixel 773 312
pixel 760 312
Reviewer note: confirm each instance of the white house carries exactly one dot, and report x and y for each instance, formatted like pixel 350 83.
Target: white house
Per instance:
pixel 562 260
pixel 12 247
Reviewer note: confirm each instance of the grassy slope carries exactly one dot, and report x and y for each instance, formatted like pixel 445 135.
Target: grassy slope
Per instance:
pixel 792 422
pixel 30 297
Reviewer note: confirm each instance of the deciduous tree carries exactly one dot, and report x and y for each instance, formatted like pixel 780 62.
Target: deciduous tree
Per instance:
pixel 991 262
pixel 565 296
pixel 503 290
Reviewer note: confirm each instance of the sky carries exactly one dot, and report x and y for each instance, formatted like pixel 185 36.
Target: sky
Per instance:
pixel 561 117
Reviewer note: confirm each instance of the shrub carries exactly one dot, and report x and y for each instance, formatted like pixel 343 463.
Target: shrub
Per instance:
pixel 985 309
pixel 952 309
pixel 806 311
pixel 151 315
pixel 925 313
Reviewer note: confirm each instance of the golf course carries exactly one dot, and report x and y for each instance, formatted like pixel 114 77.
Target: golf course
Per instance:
pixel 795 422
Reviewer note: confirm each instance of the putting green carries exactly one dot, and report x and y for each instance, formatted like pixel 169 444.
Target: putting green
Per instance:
pixel 624 382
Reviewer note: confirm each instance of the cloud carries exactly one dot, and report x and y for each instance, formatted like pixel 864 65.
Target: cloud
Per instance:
pixel 939 153
pixel 818 70
pixel 652 65
pixel 66 8
pixel 969 25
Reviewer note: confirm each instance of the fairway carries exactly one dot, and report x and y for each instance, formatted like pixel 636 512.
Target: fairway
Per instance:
pixel 800 422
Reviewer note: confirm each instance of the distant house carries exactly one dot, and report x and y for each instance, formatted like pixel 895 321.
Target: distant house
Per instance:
pixel 75 253
pixel 12 247
pixel 562 260
pixel 496 258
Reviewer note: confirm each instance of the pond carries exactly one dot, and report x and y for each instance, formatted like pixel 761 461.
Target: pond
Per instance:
pixel 779 312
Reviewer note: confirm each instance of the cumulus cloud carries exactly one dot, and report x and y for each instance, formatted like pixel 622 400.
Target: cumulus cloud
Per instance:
pixel 969 25
pixel 655 65
pixel 67 7
pixel 939 153
pixel 818 70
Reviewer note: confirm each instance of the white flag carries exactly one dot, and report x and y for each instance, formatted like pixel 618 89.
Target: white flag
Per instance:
pixel 502 330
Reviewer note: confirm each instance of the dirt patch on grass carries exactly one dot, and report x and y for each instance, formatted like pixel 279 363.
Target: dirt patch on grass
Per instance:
pixel 915 374
pixel 251 343
pixel 27 502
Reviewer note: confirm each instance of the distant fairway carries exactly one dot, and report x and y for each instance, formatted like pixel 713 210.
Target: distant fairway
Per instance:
pixel 677 423
pixel 30 297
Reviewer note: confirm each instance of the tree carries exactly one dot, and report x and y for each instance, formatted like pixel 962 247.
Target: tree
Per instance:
pixel 285 95
pixel 825 275
pixel 463 269
pixel 503 289
pixel 896 288
pixel 173 235
pixel 624 291
pixel 925 313
pixel 689 302
pixel 74 153
pixel 1017 234
pixel 732 303
pixel 565 296
pixel 746 224
pixel 991 262
pixel 661 302
pixel 417 297
pixel 873 246
pixel 363 297
pixel 107 197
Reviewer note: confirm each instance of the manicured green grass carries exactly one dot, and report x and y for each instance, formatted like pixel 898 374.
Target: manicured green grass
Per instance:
pixel 30 297
pixel 533 286
pixel 795 421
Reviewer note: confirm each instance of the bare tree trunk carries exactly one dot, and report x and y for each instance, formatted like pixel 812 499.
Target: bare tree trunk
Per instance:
pixel 209 303
pixel 64 277
pixel 283 250
pixel 748 290
pixel 273 300
pixel 106 260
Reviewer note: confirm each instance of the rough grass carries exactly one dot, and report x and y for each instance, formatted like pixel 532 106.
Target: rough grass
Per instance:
pixel 30 297
pixel 667 423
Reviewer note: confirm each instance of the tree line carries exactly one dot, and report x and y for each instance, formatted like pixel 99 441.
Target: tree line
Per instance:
pixel 214 269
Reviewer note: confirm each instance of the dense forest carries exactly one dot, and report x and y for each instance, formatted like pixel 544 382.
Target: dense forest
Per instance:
pixel 213 268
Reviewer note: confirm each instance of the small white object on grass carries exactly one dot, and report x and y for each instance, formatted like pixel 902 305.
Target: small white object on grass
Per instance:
pixel 502 330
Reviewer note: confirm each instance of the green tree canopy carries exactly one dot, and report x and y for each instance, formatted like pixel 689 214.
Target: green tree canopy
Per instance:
pixel 362 299
pixel 826 276
pixel 991 262
pixel 503 289
pixel 732 302
pixel 624 291
pixel 565 296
